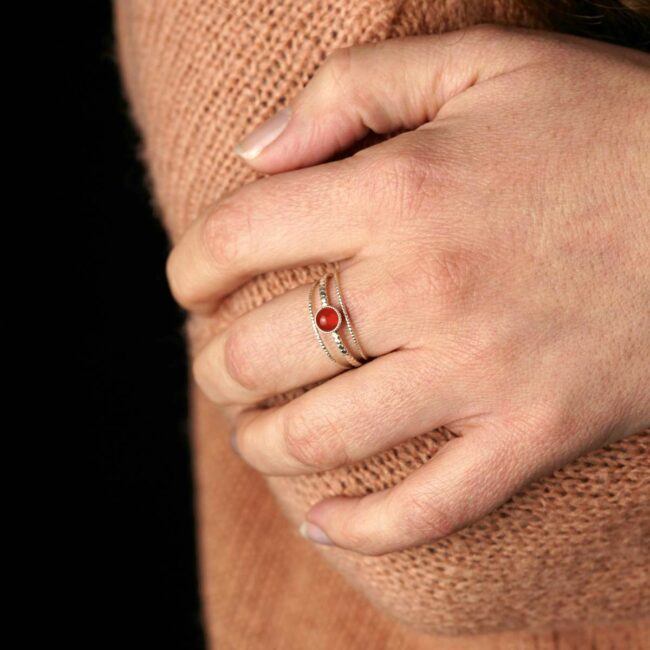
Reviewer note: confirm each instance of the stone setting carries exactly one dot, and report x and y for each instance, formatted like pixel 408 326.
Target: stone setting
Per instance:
pixel 328 319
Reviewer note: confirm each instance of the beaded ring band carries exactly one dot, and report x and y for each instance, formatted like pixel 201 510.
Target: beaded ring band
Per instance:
pixel 328 320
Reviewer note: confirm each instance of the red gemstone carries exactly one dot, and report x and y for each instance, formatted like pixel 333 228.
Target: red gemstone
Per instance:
pixel 327 319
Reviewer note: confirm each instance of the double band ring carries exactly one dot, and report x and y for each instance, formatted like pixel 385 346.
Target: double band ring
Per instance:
pixel 329 320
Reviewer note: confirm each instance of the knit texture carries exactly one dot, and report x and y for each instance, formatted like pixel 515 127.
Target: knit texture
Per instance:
pixel 568 548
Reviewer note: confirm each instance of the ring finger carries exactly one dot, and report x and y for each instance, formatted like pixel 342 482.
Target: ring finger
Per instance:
pixel 273 348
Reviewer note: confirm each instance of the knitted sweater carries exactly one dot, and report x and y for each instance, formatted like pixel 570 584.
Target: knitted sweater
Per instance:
pixel 200 74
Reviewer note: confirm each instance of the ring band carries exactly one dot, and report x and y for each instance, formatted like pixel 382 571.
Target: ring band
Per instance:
pixel 348 322
pixel 328 319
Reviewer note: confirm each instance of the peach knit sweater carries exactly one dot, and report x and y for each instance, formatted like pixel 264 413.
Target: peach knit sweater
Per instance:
pixel 570 548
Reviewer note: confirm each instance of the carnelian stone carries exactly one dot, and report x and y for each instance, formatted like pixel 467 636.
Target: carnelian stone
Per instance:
pixel 327 319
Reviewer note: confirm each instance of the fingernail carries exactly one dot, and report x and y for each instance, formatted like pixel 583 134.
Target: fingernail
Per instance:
pixel 314 533
pixel 263 135
pixel 233 442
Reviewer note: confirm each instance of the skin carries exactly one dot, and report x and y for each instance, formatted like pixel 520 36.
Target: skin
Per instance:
pixel 494 261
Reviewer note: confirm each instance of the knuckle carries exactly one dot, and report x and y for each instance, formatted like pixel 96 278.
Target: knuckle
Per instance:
pixel 397 178
pixel 405 173
pixel 543 424
pixel 237 360
pixel 225 233
pixel 447 279
pixel 423 518
pixel 314 440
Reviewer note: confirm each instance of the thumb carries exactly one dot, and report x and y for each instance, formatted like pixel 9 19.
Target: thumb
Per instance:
pixel 382 87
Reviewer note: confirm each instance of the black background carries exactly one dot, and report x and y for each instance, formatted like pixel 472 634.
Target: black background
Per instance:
pixel 145 563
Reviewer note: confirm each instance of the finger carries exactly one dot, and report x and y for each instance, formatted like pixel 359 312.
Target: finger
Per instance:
pixel 307 216
pixel 274 349
pixel 351 417
pixel 382 87
pixel 465 480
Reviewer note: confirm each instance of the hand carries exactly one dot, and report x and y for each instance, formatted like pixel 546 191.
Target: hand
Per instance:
pixel 494 261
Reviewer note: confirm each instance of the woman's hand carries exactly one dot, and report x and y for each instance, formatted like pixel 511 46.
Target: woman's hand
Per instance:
pixel 494 261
